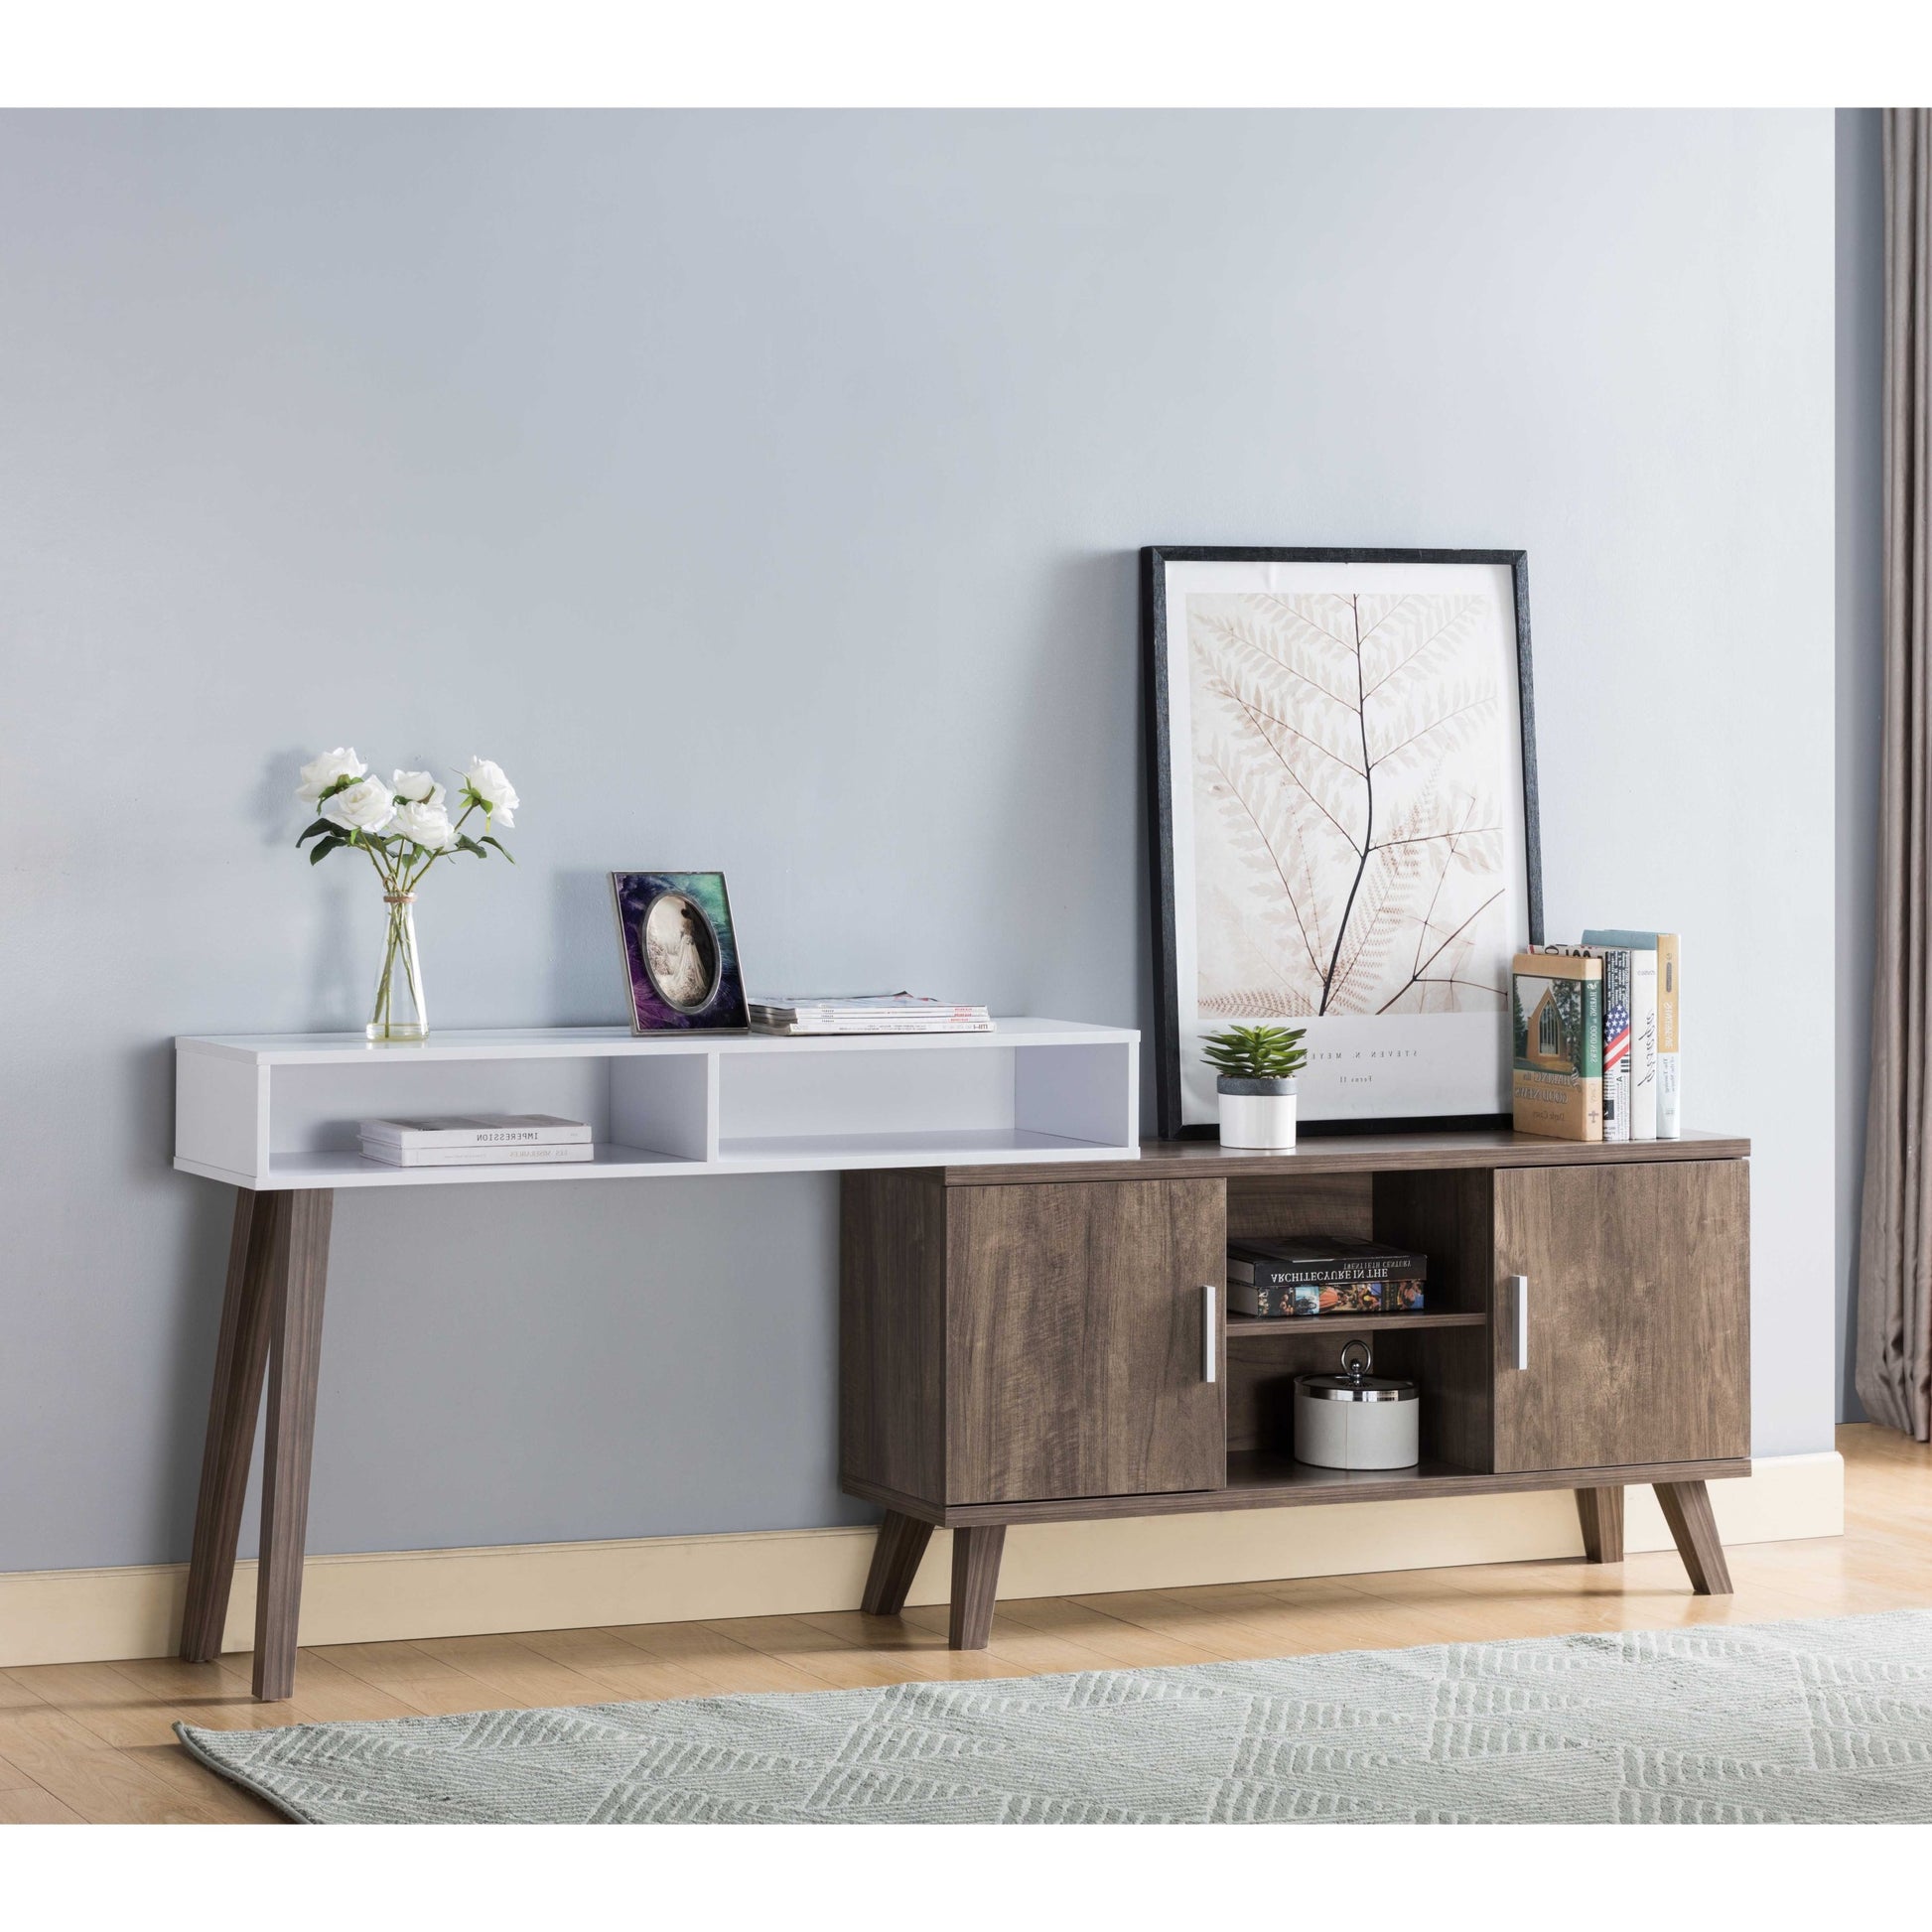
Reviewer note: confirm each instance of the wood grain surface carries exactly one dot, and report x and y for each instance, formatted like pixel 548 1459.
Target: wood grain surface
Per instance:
pixel 235 1406
pixel 1074 1340
pixel 893 1331
pixel 1332 1154
pixel 1639 1313
pixel 301 1268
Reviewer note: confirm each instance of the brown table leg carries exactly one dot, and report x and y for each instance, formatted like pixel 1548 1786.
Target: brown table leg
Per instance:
pixel 1601 1514
pixel 975 1582
pixel 894 1560
pixel 301 1267
pixel 240 1358
pixel 1687 1509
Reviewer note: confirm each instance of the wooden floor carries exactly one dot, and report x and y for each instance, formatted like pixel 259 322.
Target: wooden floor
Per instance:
pixel 94 1741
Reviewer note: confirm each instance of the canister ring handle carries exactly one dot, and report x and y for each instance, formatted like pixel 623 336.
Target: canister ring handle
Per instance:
pixel 1355 1364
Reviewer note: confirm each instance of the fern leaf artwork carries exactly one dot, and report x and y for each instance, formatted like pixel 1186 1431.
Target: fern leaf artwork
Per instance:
pixel 1348 805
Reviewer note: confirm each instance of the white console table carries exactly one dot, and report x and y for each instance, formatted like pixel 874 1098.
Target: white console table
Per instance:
pixel 276 1116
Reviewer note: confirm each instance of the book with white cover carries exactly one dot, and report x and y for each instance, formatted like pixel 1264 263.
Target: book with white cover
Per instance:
pixel 863 1012
pixel 393 1156
pixel 821 1027
pixel 477 1130
pixel 1643 1044
pixel 1669 947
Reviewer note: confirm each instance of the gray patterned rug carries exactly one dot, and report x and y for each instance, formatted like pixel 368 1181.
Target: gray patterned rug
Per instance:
pixel 1825 1722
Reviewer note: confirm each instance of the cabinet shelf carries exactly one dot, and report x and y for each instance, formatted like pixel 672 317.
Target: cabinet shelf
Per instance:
pixel 284 1113
pixel 1243 1327
pixel 1284 1481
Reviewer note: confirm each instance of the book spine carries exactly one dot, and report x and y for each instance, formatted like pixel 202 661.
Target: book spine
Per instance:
pixel 392 1156
pixel 1557 1066
pixel 823 1029
pixel 1285 1273
pixel 1616 1043
pixel 1643 1045
pixel 1670 1104
pixel 573 1134
pixel 858 1015
pixel 1305 1301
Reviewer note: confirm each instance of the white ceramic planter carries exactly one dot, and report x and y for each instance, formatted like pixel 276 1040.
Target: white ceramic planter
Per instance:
pixel 1256 1113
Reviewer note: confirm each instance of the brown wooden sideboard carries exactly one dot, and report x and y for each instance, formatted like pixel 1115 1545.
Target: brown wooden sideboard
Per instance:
pixel 1046 1343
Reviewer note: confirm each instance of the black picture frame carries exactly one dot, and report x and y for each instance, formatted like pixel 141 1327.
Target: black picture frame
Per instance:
pixel 1160 778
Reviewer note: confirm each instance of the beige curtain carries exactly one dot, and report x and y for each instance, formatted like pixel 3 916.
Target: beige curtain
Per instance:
pixel 1894 1350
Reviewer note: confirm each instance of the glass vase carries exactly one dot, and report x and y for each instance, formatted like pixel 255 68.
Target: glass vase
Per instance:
pixel 399 1013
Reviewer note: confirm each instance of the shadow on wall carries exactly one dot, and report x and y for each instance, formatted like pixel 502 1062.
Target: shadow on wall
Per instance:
pixel 338 997
pixel 197 1276
pixel 1074 761
pixel 1087 722
pixel 586 982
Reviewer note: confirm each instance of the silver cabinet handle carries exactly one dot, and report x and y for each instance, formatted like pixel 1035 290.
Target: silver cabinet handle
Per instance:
pixel 1519 1286
pixel 1210 1333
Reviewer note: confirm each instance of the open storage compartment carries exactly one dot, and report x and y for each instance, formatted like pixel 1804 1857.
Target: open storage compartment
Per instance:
pixel 805 1102
pixel 644 1112
pixel 1444 1348
pixel 284 1112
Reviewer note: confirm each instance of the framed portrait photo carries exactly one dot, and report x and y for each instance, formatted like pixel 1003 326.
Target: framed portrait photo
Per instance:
pixel 680 952
pixel 1342 780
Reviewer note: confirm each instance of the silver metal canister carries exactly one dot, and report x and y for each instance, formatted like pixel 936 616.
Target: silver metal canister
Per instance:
pixel 1355 1420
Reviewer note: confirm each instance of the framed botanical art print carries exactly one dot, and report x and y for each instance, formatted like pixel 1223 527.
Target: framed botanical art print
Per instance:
pixel 1341 776
pixel 680 954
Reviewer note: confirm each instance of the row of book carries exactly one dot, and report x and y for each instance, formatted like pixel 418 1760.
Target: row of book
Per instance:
pixel 1323 1274
pixel 476 1140
pixel 1597 1037
pixel 822 1014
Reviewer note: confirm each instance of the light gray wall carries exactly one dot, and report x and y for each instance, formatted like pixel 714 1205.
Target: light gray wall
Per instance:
pixel 763 492
pixel 1860 637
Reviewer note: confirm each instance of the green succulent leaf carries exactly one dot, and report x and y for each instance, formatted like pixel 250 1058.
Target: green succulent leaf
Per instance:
pixel 1257 1052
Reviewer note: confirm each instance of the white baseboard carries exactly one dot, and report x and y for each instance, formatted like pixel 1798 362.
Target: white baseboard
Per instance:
pixel 65 1616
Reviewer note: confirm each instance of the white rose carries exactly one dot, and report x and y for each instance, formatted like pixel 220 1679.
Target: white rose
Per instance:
pixel 416 789
pixel 365 806
pixel 321 772
pixel 424 823
pixel 498 795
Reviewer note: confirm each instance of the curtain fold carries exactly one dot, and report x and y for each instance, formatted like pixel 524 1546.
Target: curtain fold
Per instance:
pixel 1893 1371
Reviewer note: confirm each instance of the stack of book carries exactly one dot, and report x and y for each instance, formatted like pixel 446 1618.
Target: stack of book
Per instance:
pixel 1596 1049
pixel 863 1012
pixel 1323 1274
pixel 476 1140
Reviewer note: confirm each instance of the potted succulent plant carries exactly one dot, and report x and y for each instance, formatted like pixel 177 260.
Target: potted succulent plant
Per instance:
pixel 1256 1068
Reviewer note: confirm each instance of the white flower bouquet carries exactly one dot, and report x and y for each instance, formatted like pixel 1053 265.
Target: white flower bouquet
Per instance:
pixel 404 828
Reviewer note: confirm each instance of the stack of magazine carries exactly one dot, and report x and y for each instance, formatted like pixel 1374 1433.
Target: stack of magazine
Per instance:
pixel 1596 1050
pixel 863 1012
pixel 476 1140
pixel 1323 1274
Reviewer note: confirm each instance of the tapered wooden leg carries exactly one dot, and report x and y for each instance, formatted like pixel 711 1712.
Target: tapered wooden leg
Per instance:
pixel 1687 1509
pixel 895 1560
pixel 241 1356
pixel 1601 1513
pixel 975 1582
pixel 295 1335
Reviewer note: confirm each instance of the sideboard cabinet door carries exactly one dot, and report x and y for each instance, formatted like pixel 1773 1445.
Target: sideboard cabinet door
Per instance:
pixel 1639 1314
pixel 1075 1363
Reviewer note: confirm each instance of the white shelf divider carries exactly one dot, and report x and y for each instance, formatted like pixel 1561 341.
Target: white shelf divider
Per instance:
pixel 267 1112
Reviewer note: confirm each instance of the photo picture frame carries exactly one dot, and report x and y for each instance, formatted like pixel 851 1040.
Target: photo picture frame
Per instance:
pixel 680 952
pixel 1342 822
